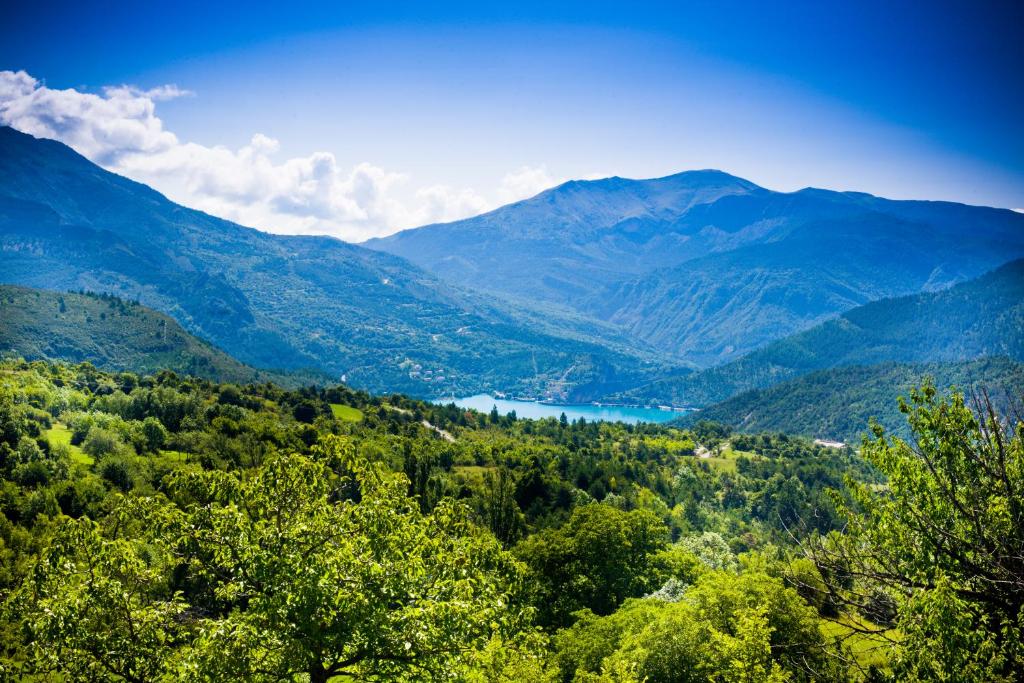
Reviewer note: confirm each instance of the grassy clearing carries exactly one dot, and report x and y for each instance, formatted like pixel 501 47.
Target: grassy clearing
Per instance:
pixel 721 464
pixel 346 413
pixel 472 471
pixel 60 435
pixel 730 452
pixel 180 456
pixel 725 460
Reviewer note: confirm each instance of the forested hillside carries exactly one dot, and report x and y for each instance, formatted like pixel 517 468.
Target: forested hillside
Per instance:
pixel 282 302
pixel 982 317
pixel 170 528
pixel 838 404
pixel 114 334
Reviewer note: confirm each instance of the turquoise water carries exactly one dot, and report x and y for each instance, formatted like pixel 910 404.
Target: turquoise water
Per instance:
pixel 534 410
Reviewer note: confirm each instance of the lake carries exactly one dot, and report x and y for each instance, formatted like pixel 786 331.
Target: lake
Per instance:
pixel 534 410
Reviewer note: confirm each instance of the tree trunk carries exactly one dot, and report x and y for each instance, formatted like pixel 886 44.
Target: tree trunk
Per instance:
pixel 318 674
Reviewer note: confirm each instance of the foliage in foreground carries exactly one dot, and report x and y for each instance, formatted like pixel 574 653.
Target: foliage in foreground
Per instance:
pixel 939 552
pixel 318 566
pixel 168 528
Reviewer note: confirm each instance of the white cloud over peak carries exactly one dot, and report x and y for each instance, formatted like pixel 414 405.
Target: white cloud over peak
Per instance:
pixel 121 121
pixel 526 182
pixel 442 203
pixel 119 129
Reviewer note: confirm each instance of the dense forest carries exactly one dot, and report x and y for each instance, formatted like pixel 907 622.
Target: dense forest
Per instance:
pixel 165 527
pixel 840 403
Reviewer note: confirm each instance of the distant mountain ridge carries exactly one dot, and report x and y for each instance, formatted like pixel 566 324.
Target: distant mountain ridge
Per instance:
pixel 276 301
pixel 570 239
pixel 705 266
pixel 980 317
pixel 613 289
pixel 117 335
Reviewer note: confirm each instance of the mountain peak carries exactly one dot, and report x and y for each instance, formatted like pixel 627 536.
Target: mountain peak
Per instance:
pixel 706 175
pixel 697 178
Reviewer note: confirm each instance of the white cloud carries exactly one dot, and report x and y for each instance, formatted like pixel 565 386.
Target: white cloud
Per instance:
pixel 440 203
pixel 526 182
pixel 166 92
pixel 102 127
pixel 120 130
pixel 1018 210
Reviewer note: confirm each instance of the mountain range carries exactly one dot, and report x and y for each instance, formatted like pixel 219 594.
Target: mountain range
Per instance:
pixel 689 289
pixel 980 317
pixel 705 266
pixel 287 302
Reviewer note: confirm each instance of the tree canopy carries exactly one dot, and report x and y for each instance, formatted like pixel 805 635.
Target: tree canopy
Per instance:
pixel 943 540
pixel 319 566
pixel 159 528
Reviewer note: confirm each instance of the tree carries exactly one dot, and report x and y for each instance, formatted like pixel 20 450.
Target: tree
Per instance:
pixel 96 608
pixel 944 539
pixel 11 430
pixel 496 506
pixel 726 627
pixel 524 657
pixel 101 442
pixel 117 472
pixel 319 567
pixel 329 571
pixel 154 434
pixel 11 424
pixel 711 549
pixel 600 557
pixel 306 411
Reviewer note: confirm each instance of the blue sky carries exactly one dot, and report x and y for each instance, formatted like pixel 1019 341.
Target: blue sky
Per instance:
pixel 376 116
